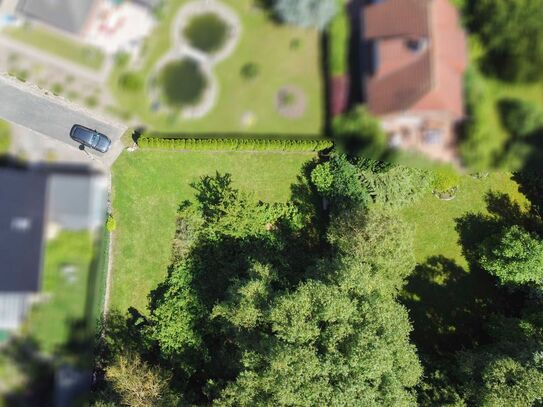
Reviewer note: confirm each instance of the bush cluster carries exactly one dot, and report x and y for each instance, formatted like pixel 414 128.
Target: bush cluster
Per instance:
pixel 234 144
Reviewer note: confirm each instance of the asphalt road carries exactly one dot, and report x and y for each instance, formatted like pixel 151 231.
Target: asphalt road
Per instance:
pixel 54 118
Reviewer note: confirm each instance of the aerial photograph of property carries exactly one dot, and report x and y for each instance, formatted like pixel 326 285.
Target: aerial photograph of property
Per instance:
pixel 288 203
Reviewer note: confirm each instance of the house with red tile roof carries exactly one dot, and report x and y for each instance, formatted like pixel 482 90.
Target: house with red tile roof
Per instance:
pixel 415 60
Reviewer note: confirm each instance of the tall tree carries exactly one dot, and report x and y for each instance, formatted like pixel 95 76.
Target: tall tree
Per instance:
pixel 514 256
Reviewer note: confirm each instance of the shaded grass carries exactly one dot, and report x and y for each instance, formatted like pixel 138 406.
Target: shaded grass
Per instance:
pixel 148 187
pixel 450 299
pixel 59 45
pixel 262 42
pixel 50 323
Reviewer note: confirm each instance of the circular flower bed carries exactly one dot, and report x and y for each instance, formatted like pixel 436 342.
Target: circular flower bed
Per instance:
pixel 206 32
pixel 183 82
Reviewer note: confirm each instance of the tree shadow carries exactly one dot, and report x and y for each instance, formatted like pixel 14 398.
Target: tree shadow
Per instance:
pixel 22 355
pixel 449 306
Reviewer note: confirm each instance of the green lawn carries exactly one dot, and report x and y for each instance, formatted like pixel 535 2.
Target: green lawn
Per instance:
pixel 263 42
pixel 448 301
pixel 49 322
pixel 59 45
pixel 434 219
pixel 148 186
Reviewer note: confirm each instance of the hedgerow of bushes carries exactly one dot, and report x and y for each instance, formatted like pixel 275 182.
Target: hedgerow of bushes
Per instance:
pixel 234 144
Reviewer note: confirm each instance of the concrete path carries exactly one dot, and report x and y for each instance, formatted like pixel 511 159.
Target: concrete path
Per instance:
pixel 28 106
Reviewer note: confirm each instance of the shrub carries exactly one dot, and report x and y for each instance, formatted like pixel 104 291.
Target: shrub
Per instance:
pixel 306 13
pixel 183 82
pixel 122 59
pixel 338 43
pixel 234 144
pixel 519 117
pixel 295 44
pixel 360 134
pixel 111 225
pixel 91 101
pixel 206 32
pixel 130 81
pixel 250 70
pixel 57 88
pixel 513 36
pixel 445 178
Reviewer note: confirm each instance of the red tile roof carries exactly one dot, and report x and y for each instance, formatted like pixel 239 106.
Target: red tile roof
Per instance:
pixel 407 80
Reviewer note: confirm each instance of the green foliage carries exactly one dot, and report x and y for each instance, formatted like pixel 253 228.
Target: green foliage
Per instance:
pixel 306 13
pixel 183 82
pixel 323 178
pixel 397 186
pixel 206 32
pixel 519 117
pixel 379 241
pixel 338 37
pixel 339 181
pixel 358 133
pixel 5 137
pixel 138 384
pixel 509 372
pixel 111 225
pixel 445 178
pixel 250 70
pixel 511 31
pixel 514 256
pixel 131 81
pixel 479 145
pixel 234 144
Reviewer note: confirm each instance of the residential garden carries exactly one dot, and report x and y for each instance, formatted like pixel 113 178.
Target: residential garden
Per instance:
pixel 148 187
pixel 221 68
pixel 61 326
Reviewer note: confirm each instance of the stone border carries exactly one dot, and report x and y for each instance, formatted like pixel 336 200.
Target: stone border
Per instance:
pixel 182 49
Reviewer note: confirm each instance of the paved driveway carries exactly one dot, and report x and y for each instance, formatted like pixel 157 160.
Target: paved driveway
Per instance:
pixel 53 117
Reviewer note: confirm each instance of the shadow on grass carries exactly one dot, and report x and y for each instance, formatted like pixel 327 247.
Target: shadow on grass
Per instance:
pixel 449 305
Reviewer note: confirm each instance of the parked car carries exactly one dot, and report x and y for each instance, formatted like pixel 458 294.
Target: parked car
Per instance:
pixel 90 138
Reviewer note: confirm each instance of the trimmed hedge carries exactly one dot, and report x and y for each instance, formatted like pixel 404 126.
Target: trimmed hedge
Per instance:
pixel 234 144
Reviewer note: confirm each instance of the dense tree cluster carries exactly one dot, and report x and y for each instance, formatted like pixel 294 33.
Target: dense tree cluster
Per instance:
pixel 297 303
pixel 262 307
pixel 513 36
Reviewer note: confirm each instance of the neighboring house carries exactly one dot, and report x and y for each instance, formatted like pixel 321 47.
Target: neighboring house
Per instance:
pixel 34 206
pixel 71 16
pixel 111 25
pixel 414 60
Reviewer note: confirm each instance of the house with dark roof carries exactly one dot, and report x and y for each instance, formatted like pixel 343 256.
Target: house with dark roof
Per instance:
pixel 70 16
pixel 414 59
pixel 34 206
pixel 22 213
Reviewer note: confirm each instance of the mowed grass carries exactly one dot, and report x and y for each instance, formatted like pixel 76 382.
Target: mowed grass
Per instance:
pixel 263 42
pixel 148 187
pixel 449 302
pixel 435 220
pixel 59 45
pixel 50 322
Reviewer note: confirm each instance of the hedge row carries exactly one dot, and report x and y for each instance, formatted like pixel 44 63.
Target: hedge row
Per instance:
pixel 234 144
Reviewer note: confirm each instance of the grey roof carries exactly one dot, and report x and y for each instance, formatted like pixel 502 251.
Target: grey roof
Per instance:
pixel 77 202
pixel 67 15
pixel 151 4
pixel 22 208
